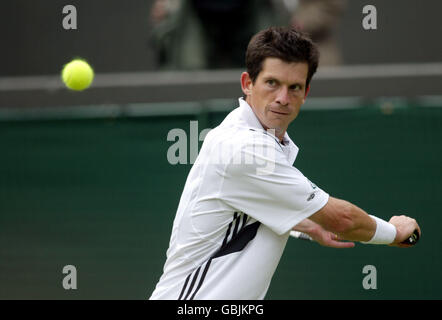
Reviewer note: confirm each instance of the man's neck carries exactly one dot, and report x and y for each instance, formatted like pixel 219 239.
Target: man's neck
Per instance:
pixel 277 133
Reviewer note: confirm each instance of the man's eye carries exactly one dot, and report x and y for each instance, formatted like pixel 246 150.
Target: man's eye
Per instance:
pixel 271 82
pixel 296 87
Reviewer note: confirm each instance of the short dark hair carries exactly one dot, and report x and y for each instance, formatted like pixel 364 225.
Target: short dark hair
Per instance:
pixel 285 43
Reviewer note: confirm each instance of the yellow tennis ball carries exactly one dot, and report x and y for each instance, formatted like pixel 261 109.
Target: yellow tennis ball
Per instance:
pixel 77 75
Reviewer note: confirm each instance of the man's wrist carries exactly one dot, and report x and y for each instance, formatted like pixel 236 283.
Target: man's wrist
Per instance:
pixel 385 232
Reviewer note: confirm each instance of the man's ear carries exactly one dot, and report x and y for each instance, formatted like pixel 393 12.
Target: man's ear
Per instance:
pixel 246 83
pixel 306 92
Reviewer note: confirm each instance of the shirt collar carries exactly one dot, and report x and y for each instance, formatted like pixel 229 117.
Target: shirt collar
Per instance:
pixel 251 120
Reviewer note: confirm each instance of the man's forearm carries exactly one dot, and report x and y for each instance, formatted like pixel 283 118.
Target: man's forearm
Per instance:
pixel 345 219
pixel 362 229
pixel 362 226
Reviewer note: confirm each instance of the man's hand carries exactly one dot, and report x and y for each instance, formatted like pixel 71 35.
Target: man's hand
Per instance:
pixel 405 226
pixel 329 239
pixel 322 236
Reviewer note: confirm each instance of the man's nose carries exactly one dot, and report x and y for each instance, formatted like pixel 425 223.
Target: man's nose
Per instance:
pixel 283 96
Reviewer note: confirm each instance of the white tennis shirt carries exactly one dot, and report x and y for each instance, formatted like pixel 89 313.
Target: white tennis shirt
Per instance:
pixel 240 201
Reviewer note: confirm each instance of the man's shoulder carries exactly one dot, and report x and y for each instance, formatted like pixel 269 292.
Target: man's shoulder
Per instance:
pixel 240 135
pixel 240 145
pixel 235 133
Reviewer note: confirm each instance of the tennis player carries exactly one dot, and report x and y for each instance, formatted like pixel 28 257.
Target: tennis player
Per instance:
pixel 243 195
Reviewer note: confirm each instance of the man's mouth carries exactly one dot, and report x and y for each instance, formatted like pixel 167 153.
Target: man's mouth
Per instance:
pixel 279 112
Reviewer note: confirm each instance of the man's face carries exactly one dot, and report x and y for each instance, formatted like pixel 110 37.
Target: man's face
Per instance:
pixel 277 94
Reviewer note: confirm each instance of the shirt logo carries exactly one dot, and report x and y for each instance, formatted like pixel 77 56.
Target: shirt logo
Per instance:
pixel 311 197
pixel 314 186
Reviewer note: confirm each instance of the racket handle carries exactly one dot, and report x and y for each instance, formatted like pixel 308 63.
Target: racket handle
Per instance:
pixel 300 235
pixel 413 239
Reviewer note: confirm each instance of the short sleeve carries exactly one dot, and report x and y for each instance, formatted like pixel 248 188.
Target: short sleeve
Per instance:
pixel 260 182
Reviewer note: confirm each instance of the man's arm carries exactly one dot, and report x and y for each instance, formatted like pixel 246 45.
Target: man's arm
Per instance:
pixel 352 223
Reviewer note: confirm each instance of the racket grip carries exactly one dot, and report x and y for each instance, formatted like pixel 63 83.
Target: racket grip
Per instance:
pixel 413 239
pixel 300 235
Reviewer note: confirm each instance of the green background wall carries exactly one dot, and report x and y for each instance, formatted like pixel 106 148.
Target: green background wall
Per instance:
pixel 101 195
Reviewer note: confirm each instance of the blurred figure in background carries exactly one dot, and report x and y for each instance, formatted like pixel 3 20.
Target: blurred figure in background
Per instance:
pixel 213 34
pixel 208 34
pixel 319 19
